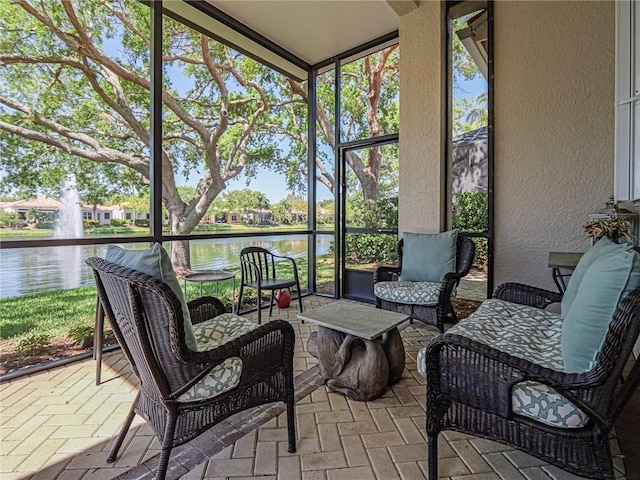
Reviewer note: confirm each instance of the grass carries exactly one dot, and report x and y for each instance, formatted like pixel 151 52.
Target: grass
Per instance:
pixel 58 314
pixel 52 313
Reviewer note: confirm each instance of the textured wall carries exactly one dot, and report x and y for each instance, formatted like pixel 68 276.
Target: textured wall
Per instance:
pixel 554 81
pixel 421 119
pixel 554 130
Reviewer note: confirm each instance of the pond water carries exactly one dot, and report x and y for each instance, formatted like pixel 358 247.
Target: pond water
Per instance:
pixel 25 271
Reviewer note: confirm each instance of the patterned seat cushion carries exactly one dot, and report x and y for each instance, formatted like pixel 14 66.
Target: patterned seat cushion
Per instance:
pixel 534 335
pixel 409 293
pixel 224 377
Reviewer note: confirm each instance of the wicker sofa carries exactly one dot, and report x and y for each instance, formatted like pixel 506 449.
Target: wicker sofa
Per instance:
pixel 504 373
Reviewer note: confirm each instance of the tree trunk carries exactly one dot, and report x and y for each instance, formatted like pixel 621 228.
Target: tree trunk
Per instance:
pixel 180 250
pixel 181 256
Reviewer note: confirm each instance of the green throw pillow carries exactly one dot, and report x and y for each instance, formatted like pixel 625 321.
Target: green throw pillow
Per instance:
pixel 155 261
pixel 428 257
pixel 603 246
pixel 610 277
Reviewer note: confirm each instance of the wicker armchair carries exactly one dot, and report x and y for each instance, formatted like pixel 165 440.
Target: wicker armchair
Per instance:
pixel 470 386
pixel 146 318
pixel 433 313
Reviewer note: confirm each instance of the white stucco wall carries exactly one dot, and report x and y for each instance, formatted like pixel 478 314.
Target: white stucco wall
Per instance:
pixel 554 127
pixel 421 119
pixel 554 130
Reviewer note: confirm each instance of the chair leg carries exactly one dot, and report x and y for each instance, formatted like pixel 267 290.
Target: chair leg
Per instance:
pixel 259 307
pixel 432 440
pixel 299 297
pixel 98 337
pixel 271 303
pixel 167 445
pixel 239 299
pixel 291 425
pixel 123 432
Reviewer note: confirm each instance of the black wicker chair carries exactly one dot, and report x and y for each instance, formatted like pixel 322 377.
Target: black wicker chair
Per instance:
pixel 146 318
pixel 469 390
pixel 443 309
pixel 259 272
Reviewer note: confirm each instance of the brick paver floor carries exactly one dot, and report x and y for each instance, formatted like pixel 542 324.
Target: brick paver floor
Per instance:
pixel 58 424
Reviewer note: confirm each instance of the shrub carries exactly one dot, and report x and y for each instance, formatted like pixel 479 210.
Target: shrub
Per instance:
pixel 118 222
pixel 368 248
pixel 12 220
pixel 81 333
pixel 141 222
pixel 33 342
pixel 470 212
pixel 91 223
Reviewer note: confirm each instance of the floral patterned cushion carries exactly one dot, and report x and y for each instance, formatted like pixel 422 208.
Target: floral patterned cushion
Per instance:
pixel 209 335
pixel 409 293
pixel 532 334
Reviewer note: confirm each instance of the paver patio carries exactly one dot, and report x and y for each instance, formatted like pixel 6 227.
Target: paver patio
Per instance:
pixel 58 425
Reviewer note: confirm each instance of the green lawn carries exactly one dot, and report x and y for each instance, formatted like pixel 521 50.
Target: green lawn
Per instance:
pixel 37 320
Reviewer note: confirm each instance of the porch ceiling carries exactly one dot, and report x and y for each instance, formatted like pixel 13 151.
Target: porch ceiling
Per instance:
pixel 311 30
pixel 314 30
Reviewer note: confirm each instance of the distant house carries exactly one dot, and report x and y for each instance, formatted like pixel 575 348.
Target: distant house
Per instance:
pixel 298 217
pixel 50 207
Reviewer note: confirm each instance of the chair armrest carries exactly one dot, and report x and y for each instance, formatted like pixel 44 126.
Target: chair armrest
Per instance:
pixel 526 295
pixel 293 263
pixel 204 308
pixel 267 347
pixel 490 374
pixel 385 274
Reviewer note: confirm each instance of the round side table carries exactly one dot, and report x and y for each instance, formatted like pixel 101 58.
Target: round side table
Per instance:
pixel 215 276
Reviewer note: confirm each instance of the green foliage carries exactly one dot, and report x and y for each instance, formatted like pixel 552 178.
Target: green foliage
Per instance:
pixel 482 250
pixel 141 222
pixel 46 225
pixel 212 227
pixel 369 248
pixel 362 248
pixel 470 212
pixel 81 332
pixel 118 222
pixel 33 342
pixel 91 223
pixel 11 220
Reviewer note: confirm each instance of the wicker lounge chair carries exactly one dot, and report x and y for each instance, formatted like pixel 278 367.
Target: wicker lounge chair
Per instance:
pixel 437 308
pixel 477 382
pixel 185 392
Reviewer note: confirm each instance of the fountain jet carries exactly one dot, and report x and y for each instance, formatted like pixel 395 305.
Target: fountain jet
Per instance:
pixel 69 224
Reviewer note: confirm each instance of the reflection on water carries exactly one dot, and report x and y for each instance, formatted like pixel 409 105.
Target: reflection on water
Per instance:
pixel 25 271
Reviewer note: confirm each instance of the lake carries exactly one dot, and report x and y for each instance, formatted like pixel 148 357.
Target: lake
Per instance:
pixel 25 271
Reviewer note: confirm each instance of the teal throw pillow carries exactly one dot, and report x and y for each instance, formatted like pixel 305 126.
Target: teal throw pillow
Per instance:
pixel 610 277
pixel 602 247
pixel 428 257
pixel 155 261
